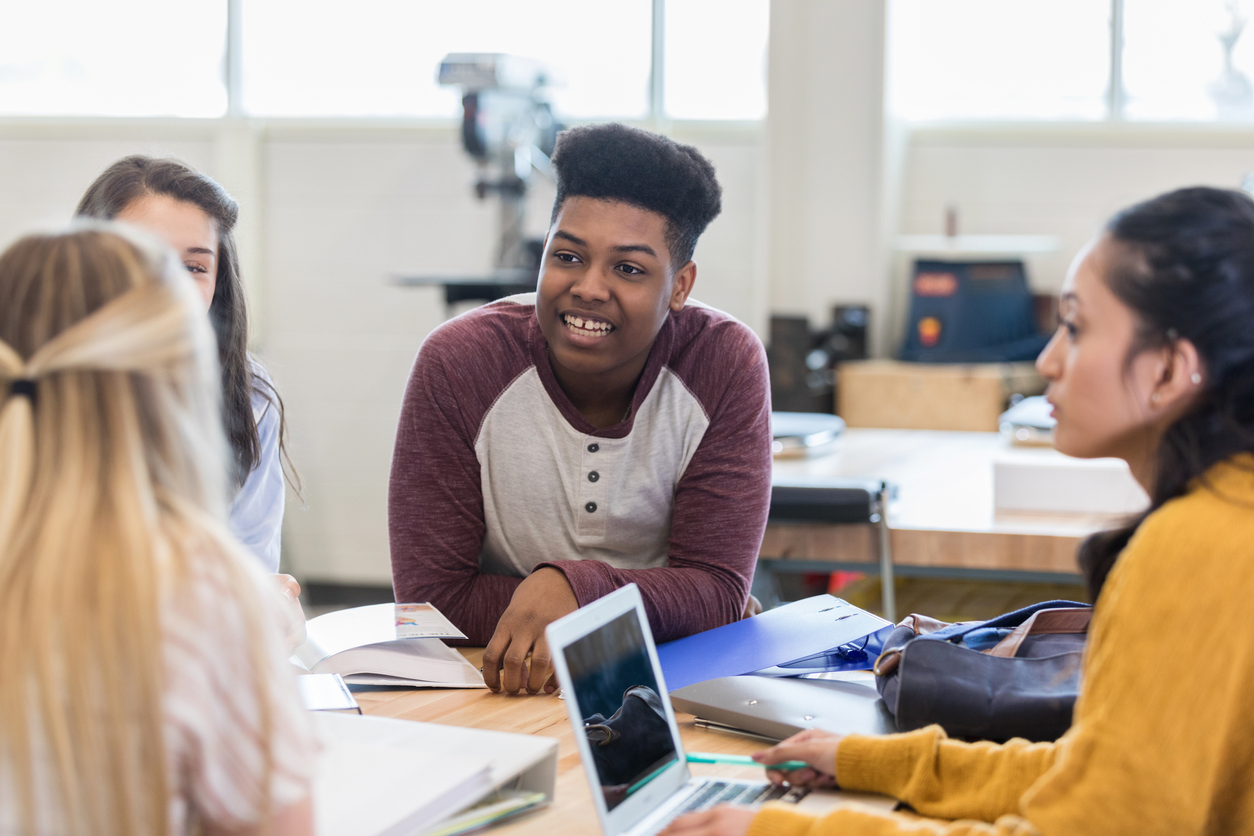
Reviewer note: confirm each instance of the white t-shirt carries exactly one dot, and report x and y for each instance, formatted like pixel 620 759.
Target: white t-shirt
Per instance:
pixel 257 510
pixel 212 720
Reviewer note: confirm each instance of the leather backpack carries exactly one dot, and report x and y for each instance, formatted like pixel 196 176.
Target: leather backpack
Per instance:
pixel 1017 675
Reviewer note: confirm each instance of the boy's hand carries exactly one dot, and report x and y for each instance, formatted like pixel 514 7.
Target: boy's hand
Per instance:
pixel 752 607
pixel 814 746
pixel 542 598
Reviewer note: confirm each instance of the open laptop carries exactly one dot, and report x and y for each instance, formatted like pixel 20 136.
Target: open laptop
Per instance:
pixel 624 724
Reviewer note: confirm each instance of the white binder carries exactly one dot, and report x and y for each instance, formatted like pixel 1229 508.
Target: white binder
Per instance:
pixel 382 777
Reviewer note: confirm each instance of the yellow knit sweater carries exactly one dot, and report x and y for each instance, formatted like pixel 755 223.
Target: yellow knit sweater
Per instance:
pixel 1163 736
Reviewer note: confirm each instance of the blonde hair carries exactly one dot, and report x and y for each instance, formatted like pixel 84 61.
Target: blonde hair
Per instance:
pixel 113 479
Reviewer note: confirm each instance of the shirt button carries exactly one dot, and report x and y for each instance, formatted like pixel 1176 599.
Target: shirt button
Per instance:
pixel 592 448
pixel 590 507
pixel 593 476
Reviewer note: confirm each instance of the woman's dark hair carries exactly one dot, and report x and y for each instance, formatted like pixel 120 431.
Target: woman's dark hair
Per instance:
pixel 1185 266
pixel 135 177
pixel 646 170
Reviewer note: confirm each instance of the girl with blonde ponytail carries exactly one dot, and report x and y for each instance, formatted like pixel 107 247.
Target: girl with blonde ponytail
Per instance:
pixel 143 688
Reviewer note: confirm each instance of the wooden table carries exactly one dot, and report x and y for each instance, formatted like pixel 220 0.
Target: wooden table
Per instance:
pixel 942 512
pixel 572 811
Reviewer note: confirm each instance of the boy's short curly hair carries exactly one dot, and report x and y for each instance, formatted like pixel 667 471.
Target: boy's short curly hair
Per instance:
pixel 652 172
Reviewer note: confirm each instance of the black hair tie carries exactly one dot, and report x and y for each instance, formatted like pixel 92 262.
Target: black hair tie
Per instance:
pixel 23 386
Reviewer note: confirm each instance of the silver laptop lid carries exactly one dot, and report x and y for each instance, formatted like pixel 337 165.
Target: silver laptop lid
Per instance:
pixel 617 702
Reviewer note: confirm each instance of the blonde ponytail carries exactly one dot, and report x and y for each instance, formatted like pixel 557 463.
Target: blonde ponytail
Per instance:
pixel 17 443
pixel 145 329
pixel 113 480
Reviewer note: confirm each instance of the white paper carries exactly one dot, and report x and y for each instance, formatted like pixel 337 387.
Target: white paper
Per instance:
pixel 325 692
pixel 424 621
pixel 359 627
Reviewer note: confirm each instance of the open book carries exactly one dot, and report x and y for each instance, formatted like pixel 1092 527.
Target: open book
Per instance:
pixel 387 644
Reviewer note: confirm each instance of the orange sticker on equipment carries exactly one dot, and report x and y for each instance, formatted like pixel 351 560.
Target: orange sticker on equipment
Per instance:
pixel 935 284
pixel 929 331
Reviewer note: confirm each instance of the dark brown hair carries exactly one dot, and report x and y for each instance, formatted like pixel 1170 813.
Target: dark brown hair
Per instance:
pixel 617 163
pixel 1185 267
pixel 135 177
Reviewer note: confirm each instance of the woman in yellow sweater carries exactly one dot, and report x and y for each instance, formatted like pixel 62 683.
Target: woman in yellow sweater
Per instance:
pixel 1153 363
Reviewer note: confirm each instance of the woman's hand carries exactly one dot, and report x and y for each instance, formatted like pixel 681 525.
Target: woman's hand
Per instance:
pixel 724 820
pixel 288 589
pixel 814 746
pixel 288 585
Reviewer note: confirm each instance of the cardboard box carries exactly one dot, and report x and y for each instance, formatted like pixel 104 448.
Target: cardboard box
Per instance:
pixel 930 396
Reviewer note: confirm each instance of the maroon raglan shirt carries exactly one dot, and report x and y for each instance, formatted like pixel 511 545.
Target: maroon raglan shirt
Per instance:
pixel 495 473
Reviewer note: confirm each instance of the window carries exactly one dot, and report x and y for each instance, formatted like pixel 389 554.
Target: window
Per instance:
pixel 1071 59
pixel 715 63
pixel 122 58
pixel 376 58
pixel 998 59
pixel 379 57
pixel 1187 59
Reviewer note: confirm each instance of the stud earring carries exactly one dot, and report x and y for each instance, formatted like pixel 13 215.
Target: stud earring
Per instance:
pixel 1155 398
pixel 1196 378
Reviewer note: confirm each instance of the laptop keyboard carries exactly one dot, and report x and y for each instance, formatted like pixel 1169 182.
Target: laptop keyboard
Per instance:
pixel 731 792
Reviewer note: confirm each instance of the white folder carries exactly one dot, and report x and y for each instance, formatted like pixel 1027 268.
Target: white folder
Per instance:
pixel 382 777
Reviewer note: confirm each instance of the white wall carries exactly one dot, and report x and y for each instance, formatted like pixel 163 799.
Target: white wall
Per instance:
pixel 1064 181
pixel 828 161
pixel 45 167
pixel 345 212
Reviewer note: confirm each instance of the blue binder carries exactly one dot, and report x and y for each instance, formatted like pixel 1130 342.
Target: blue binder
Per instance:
pixel 798 632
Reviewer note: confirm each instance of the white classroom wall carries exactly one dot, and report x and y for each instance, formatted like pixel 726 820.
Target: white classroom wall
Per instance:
pixel 332 210
pixel 828 158
pixel 45 166
pixel 1062 180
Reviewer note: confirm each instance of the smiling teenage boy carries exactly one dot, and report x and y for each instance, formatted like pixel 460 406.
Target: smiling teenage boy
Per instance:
pixel 605 430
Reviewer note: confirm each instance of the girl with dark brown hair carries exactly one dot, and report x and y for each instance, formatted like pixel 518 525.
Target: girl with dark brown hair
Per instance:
pixel 1152 363
pixel 196 216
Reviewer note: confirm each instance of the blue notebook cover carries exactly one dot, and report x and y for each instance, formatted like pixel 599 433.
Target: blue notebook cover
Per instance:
pixel 776 637
pixel 858 655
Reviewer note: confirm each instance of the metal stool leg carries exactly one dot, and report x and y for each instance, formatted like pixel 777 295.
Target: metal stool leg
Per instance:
pixel 887 587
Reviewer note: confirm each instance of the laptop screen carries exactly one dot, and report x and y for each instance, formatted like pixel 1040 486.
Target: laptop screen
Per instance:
pixel 623 715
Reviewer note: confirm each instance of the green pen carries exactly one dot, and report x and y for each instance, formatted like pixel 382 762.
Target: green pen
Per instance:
pixel 743 760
